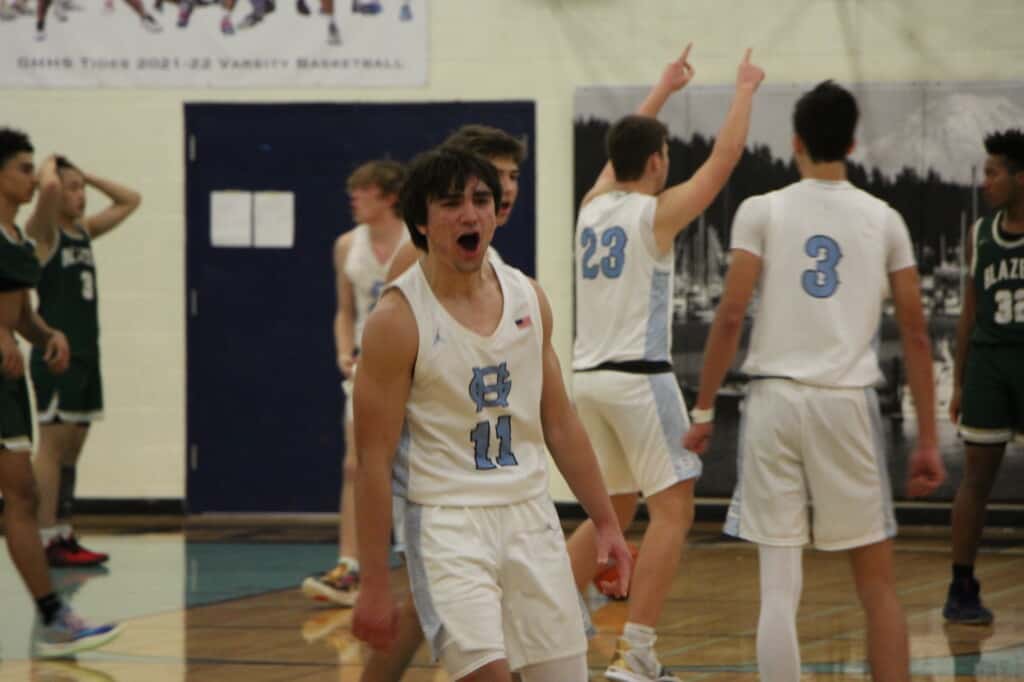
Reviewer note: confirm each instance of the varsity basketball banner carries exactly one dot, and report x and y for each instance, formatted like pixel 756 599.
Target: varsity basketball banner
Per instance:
pixel 213 43
pixel 919 147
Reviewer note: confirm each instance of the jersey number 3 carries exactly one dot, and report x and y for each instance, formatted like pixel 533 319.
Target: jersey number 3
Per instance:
pixel 823 280
pixel 611 265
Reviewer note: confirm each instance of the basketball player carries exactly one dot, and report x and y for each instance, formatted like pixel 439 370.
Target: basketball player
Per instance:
pixel 823 255
pixel 71 401
pixel 362 257
pixel 185 8
pixel 16 8
pixel 63 632
pixel 505 152
pixel 149 23
pixel 989 371
pixel 625 391
pixel 486 554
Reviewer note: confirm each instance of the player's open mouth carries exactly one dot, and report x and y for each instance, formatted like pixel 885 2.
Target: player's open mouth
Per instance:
pixel 469 241
pixel 506 206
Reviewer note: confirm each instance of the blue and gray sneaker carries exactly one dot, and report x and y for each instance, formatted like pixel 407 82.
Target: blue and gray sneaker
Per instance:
pixel 68 634
pixel 963 604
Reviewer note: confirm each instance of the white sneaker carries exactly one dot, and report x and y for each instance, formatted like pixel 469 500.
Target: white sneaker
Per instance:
pixel 339 585
pixel 636 665
pixel 68 634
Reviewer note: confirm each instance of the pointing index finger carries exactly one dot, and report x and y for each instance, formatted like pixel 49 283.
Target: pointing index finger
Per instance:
pixel 746 56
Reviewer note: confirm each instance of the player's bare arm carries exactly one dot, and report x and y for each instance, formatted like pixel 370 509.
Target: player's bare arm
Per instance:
pixel 723 340
pixel 679 205
pixel 404 259
pixel 123 202
pixel 382 389
pixel 571 449
pixel 964 327
pixel 42 224
pixel 926 469
pixel 345 316
pixel 30 325
pixel 674 78
pixel 12 364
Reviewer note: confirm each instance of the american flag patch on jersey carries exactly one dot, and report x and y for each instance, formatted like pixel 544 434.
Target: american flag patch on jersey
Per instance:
pixel 524 322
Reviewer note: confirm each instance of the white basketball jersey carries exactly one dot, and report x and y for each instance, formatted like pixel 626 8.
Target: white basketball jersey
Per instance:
pixel 494 256
pixel 623 286
pixel 367 274
pixel 472 434
pixel 827 249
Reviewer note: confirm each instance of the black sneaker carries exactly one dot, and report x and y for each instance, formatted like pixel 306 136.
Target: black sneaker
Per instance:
pixel 963 604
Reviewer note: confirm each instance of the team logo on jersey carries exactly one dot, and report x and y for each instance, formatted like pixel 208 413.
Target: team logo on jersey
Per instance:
pixel 375 290
pixel 490 386
pixel 76 255
pixel 1007 268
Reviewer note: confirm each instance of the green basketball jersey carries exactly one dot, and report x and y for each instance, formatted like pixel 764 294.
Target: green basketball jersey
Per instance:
pixel 67 292
pixel 19 267
pixel 998 271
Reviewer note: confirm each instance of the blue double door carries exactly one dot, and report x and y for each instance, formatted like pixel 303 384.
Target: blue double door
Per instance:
pixel 264 408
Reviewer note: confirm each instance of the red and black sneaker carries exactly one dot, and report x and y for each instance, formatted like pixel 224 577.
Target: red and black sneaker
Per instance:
pixel 67 552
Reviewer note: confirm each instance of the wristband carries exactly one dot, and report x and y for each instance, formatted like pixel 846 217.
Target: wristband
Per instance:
pixel 702 416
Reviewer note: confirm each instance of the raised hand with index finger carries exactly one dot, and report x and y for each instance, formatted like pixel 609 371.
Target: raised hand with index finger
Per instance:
pixel 749 74
pixel 679 72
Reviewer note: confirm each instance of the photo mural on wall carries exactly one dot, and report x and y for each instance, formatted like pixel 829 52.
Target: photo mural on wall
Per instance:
pixel 919 147
pixel 213 43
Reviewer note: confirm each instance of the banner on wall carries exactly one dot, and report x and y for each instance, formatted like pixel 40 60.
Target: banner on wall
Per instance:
pixel 213 43
pixel 919 147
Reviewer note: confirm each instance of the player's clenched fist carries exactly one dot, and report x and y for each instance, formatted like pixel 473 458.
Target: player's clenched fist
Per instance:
pixel 375 620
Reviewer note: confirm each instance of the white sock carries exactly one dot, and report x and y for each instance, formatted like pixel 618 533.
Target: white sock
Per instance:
pixel 64 530
pixel 49 534
pixel 778 651
pixel 353 564
pixel 639 636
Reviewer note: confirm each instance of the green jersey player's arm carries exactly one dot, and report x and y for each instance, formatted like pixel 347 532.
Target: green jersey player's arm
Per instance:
pixel 675 76
pixel 383 383
pixel 123 202
pixel 679 205
pixel 51 341
pixel 964 327
pixel 11 362
pixel 42 224
pixel 564 435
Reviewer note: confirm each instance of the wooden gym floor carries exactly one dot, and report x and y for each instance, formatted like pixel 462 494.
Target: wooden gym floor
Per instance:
pixel 221 603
